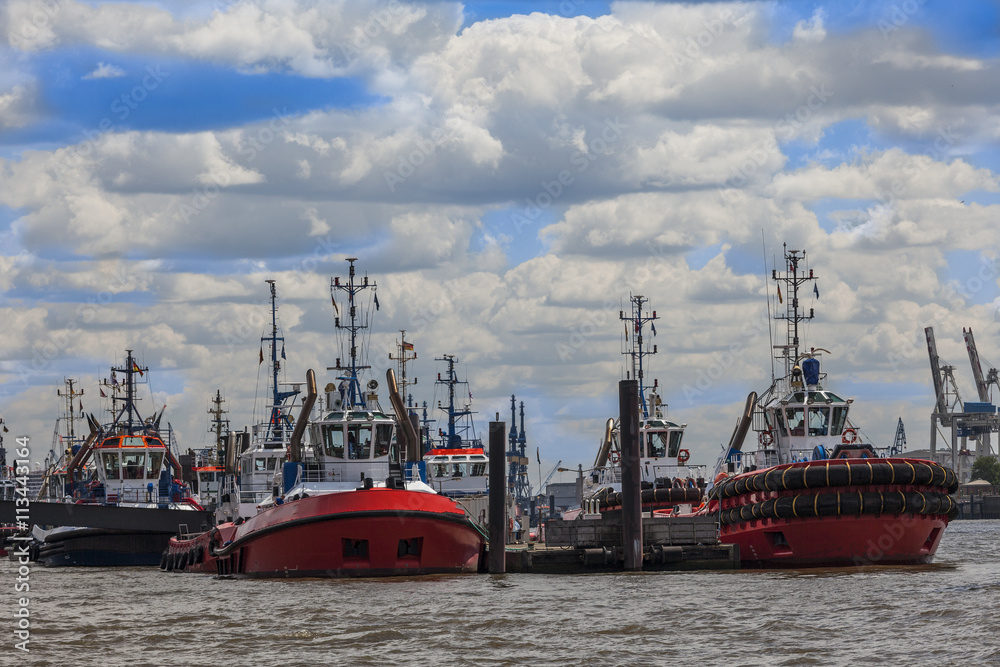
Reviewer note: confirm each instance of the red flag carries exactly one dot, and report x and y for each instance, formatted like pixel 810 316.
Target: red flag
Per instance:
pixel 103 395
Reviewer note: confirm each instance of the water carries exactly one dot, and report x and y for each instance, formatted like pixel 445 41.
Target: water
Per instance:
pixel 938 614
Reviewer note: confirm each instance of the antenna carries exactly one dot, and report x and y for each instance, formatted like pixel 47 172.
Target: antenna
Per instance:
pixel 767 300
pixel 636 350
pixel 353 394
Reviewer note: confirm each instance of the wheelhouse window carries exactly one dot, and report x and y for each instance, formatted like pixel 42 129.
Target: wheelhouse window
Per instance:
pixel 111 465
pixel 839 417
pixel 333 441
pixel 383 439
pixel 819 418
pixel 795 417
pixel 656 445
pixel 478 466
pixel 359 441
pixel 441 470
pixel 134 465
pixel 675 443
pixel 155 461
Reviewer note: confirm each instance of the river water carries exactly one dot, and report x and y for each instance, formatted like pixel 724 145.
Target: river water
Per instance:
pixel 944 613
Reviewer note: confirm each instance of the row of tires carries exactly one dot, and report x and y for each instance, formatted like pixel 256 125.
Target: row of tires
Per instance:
pixel 849 503
pixel 672 495
pixel 178 560
pixel 830 474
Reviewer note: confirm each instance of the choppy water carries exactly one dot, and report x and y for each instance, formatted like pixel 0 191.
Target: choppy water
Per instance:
pixel 940 614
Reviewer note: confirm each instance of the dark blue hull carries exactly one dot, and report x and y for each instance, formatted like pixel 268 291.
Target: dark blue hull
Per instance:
pixel 98 547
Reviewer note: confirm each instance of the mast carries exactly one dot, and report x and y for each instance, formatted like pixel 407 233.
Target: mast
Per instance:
pixel 634 347
pixel 354 397
pixel 404 355
pixel 69 414
pixel 219 425
pixel 127 417
pixel 455 432
pixel 278 423
pixel 789 352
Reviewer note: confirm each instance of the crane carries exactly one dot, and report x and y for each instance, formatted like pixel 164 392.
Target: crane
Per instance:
pixel 899 444
pixel 977 369
pixel 552 472
pixel 946 396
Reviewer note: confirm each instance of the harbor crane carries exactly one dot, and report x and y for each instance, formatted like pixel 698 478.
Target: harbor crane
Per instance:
pixel 948 402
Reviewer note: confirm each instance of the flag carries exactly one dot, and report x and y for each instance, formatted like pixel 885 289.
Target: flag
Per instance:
pixel 81 406
pixel 135 368
pixel 335 308
pixel 653 327
pixel 780 300
pixel 103 395
pixel 376 301
pixel 538 456
pixel 261 355
pixel 283 351
pixel 408 346
pixel 816 290
pixel 5 429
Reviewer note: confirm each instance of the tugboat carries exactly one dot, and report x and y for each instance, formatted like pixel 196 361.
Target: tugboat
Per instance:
pixel 346 510
pixel 668 481
pixel 252 461
pixel 458 465
pixel 131 505
pixel 814 493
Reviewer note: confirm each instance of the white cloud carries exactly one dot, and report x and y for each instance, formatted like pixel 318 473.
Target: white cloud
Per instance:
pixel 105 71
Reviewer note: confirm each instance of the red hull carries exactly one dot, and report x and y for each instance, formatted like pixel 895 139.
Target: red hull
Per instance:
pixel 905 539
pixel 374 532
pixel 862 529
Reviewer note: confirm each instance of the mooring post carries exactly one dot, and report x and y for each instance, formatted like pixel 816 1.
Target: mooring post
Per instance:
pixel 498 498
pixel 628 405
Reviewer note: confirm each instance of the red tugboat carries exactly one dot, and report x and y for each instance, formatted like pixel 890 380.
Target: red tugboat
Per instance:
pixel 814 494
pixel 346 508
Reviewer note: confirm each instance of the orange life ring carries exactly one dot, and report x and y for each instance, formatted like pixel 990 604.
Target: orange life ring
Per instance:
pixel 765 438
pixel 614 456
pixel 683 456
pixel 849 437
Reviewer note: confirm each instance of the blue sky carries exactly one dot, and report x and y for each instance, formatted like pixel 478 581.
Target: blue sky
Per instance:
pixel 142 161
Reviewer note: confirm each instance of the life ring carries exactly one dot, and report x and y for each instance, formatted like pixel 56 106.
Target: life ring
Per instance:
pixel 683 456
pixel 614 456
pixel 849 437
pixel 765 438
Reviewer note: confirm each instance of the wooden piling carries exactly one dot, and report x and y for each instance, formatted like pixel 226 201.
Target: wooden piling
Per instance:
pixel 498 498
pixel 628 440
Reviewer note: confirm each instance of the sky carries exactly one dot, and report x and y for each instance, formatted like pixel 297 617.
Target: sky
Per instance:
pixel 509 173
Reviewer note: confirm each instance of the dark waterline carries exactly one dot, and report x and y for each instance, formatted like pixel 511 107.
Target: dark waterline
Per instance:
pixel 938 614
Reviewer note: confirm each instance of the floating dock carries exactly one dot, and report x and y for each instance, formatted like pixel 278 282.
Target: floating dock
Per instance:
pixel 593 544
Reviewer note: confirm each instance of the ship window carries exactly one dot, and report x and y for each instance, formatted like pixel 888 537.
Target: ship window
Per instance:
pixel 440 469
pixel 818 421
pixel 383 439
pixel 259 465
pixel 155 460
pixel 359 441
pixel 333 441
pixel 839 416
pixel 834 398
pixel 134 441
pixel 133 465
pixel 795 421
pixel 478 469
pixel 675 443
pixel 457 469
pixel 656 445
pixel 769 418
pixel 111 470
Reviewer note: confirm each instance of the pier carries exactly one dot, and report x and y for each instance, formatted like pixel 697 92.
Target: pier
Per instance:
pixel 594 544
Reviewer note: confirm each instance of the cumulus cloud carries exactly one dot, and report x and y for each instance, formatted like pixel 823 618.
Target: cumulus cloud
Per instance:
pixel 652 151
